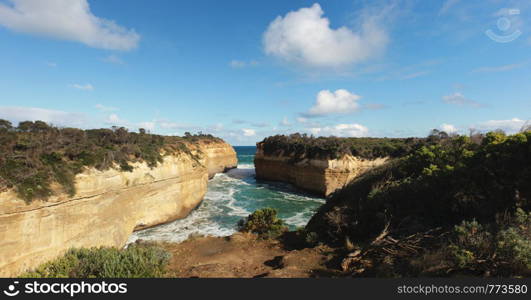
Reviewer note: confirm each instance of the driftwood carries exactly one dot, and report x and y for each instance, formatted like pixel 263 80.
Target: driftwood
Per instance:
pixel 384 245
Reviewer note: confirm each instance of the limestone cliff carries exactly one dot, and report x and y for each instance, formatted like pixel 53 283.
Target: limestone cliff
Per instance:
pixel 220 157
pixel 320 176
pixel 108 206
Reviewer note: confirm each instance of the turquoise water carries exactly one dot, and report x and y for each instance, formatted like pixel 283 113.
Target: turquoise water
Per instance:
pixel 232 196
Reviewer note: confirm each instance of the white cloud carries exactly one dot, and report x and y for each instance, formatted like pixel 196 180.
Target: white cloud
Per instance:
pixel 51 64
pixel 248 132
pixel 147 125
pixel 302 120
pixel 67 20
pixel 510 126
pixel 448 128
pixel 105 108
pixel 84 87
pixel 114 119
pixel 217 127
pixel 285 122
pixel 341 130
pixel 339 102
pixel 305 36
pixel 237 64
pixel 460 99
pixel 56 117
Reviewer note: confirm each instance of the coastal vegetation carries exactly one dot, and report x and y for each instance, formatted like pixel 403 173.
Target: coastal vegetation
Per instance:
pixel 454 205
pixel 263 222
pixel 300 146
pixel 136 261
pixel 36 154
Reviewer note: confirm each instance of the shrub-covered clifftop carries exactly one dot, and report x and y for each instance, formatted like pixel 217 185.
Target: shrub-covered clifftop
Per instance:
pixel 458 205
pixel 304 146
pixel 322 165
pixel 35 154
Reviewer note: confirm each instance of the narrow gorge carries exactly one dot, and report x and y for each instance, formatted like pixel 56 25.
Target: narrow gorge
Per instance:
pixel 108 206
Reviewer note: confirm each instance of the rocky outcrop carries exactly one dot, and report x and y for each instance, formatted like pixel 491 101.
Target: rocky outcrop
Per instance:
pixel 319 176
pixel 108 206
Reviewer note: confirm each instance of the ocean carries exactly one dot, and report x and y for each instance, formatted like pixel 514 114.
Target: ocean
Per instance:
pixel 232 196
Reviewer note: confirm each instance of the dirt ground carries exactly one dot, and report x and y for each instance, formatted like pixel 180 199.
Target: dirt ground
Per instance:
pixel 242 255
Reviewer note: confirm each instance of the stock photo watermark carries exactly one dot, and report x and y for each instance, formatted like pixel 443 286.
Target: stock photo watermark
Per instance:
pixel 64 288
pixel 506 31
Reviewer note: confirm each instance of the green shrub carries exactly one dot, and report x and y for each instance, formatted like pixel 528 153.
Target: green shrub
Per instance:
pixel 469 242
pixel 137 261
pixel 461 257
pixel 514 243
pixel 515 248
pixel 263 222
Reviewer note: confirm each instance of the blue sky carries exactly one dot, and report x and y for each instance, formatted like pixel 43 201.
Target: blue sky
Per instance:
pixel 243 70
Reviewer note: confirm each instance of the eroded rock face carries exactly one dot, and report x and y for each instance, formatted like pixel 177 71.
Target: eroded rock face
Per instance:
pixel 220 157
pixel 319 176
pixel 108 206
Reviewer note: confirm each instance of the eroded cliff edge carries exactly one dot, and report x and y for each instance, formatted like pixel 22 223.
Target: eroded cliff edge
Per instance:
pixel 107 207
pixel 319 176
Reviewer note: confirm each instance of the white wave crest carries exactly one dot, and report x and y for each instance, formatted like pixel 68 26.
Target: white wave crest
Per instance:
pixel 300 219
pixel 245 166
pixel 197 222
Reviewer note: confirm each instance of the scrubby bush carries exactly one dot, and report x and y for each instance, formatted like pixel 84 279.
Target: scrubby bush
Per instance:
pixel 300 146
pixel 468 243
pixel 502 248
pixel 137 261
pixel 34 154
pixel 263 222
pixel 513 243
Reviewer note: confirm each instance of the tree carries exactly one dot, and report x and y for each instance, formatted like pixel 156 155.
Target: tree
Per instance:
pixel 263 222
pixel 5 124
pixel 25 126
pixel 40 126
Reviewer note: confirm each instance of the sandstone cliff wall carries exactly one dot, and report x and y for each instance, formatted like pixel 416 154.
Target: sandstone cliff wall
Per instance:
pixel 319 176
pixel 108 206
pixel 220 157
